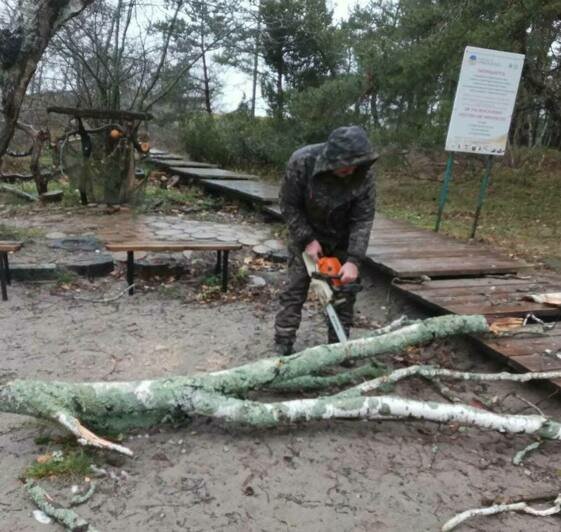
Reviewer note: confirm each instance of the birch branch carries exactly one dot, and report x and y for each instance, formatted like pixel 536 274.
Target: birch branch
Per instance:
pixel 264 415
pixel 520 455
pixel 500 508
pixel 310 383
pixel 430 372
pixel 68 518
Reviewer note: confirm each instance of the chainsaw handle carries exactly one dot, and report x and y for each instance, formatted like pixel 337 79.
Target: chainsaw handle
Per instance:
pixel 321 287
pixel 310 264
pixel 349 288
pixel 324 276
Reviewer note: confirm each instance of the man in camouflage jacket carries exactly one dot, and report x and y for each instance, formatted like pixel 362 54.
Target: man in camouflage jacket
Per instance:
pixel 327 199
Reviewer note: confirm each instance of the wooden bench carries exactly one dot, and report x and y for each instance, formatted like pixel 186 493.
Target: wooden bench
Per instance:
pixel 222 253
pixel 5 279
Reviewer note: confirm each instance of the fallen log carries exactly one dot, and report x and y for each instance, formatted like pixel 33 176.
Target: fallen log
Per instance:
pixel 65 516
pixel 18 193
pixel 120 406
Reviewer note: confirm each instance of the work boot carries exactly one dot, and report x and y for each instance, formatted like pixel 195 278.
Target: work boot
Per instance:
pixel 283 348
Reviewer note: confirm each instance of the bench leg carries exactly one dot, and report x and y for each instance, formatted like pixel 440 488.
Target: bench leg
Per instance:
pixel 225 270
pixel 7 265
pixel 218 267
pixel 3 276
pixel 130 271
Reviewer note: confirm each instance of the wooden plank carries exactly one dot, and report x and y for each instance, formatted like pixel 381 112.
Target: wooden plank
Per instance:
pixel 210 173
pixel 513 308
pixel 527 354
pixel 510 293
pixel 408 251
pixel 171 246
pixel 181 163
pixel 538 362
pixel 514 347
pixel 168 157
pixel 431 253
pixel 396 246
pixel 273 210
pixel 491 304
pixel 482 283
pixel 473 294
pixel 254 191
pixel 9 246
pixel 492 289
pixel 404 235
pixel 447 267
pixel 381 220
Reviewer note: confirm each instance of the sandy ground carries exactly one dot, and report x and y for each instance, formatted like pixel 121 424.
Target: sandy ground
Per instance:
pixel 336 476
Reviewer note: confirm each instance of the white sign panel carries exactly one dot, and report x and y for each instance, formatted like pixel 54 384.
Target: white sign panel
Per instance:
pixel 484 101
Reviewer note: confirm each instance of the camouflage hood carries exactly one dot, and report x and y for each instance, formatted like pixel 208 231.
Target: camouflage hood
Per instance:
pixel 346 146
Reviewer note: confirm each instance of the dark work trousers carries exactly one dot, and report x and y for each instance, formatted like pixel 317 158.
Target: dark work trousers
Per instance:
pixel 294 296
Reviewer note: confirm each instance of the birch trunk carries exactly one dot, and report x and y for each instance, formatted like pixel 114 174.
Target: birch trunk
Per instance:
pixel 119 406
pixel 22 43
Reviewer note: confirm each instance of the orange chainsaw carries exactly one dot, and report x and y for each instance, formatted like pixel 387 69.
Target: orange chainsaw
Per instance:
pixel 326 283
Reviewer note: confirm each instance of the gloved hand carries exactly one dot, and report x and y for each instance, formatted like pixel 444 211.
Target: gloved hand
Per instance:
pixel 348 272
pixel 313 250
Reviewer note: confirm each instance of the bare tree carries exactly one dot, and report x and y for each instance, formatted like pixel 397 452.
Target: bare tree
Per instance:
pixel 134 54
pixel 26 28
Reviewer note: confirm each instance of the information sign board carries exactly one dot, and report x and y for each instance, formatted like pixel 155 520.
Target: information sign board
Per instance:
pixel 484 101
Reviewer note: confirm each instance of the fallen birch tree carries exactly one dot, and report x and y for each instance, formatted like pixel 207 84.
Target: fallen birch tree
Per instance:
pixel 120 406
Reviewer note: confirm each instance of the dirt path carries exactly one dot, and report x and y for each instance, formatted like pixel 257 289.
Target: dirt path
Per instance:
pixel 338 476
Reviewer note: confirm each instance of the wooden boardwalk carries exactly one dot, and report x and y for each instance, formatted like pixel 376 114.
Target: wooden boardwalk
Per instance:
pixel 528 353
pixel 493 297
pixel 497 298
pixel 210 173
pixel 179 163
pixel 403 250
pixel 253 191
pixel 165 157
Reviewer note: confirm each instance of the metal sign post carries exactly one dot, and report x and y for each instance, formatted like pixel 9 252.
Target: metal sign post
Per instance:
pixel 482 193
pixel 444 190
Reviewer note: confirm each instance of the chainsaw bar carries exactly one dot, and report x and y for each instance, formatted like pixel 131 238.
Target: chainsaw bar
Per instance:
pixel 336 323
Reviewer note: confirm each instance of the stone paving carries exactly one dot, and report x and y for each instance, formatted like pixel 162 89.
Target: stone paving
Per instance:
pixel 175 228
pixel 125 225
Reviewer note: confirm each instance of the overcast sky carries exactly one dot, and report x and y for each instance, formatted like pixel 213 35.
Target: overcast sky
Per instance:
pixel 236 84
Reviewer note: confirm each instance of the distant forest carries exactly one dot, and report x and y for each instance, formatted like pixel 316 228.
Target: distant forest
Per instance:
pixel 390 66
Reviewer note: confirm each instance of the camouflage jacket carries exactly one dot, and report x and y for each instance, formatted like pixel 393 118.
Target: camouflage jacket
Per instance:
pixel 318 205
